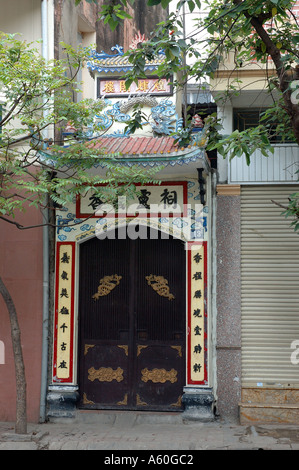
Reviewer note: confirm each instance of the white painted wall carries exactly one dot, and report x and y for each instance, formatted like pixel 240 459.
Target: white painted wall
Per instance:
pixel 23 17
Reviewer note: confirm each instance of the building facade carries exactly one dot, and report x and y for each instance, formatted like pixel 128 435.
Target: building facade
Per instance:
pixel 181 298
pixel 257 262
pixel 134 330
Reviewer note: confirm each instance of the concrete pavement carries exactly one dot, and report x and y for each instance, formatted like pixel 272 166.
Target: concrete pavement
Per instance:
pixel 129 432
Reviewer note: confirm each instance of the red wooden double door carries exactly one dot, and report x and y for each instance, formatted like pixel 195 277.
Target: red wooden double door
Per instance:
pixel 132 320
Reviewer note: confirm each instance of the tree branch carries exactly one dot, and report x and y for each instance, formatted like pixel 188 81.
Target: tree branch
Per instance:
pixel 22 227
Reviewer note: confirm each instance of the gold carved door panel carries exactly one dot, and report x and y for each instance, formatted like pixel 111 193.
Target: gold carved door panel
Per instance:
pixel 132 324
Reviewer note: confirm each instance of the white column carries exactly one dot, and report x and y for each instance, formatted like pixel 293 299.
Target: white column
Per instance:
pixel 225 114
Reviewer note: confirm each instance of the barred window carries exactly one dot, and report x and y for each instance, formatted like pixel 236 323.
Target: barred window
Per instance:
pixel 245 119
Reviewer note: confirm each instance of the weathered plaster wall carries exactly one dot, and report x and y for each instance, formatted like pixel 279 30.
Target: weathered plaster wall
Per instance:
pixel 23 17
pixel 228 306
pixel 67 22
pixel 144 19
pixel 21 270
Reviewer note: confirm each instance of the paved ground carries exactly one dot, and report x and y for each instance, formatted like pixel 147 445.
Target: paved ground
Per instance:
pixel 125 434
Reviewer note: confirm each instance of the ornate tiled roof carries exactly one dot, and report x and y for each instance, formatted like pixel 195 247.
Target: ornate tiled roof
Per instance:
pixel 144 151
pixel 136 145
pixel 118 62
pixel 150 151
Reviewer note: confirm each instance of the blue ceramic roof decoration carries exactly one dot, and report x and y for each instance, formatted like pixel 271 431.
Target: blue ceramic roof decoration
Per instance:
pixel 118 62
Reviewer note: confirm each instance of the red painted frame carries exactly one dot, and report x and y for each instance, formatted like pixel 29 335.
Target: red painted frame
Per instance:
pixel 145 215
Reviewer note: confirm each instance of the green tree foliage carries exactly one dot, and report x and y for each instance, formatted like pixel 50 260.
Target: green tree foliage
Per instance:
pixel 262 31
pixel 38 97
pixel 248 30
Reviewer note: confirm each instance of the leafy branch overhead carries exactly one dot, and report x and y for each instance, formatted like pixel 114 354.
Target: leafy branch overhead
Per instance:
pixel 35 163
pixel 243 32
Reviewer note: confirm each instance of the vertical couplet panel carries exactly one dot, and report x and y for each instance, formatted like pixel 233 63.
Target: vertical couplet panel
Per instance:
pixel 64 313
pixel 197 314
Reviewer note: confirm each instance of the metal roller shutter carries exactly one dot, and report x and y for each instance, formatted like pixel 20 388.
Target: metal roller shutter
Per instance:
pixel 270 287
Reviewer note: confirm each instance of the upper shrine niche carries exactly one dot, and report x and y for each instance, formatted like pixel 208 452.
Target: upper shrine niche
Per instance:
pixel 151 94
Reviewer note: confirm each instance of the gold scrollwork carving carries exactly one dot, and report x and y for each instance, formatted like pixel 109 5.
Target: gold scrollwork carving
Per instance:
pixel 125 400
pixel 86 401
pixel 139 402
pixel 140 347
pixel 178 404
pixel 107 284
pixel 125 347
pixel 160 285
pixel 159 375
pixel 105 374
pixel 179 349
pixel 87 347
